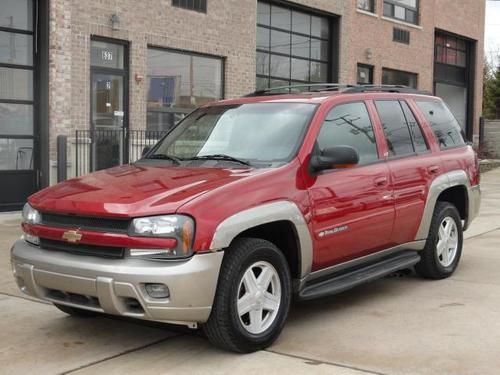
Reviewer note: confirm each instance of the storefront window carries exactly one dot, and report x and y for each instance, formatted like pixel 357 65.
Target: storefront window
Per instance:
pixel 398 77
pixel 293 47
pixel 178 83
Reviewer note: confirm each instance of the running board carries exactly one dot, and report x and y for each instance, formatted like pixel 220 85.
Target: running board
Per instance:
pixel 345 281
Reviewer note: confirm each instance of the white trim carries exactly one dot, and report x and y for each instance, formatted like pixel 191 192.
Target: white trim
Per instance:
pixel 367 13
pixel 394 20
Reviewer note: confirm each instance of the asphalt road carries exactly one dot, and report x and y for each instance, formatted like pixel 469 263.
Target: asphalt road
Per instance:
pixel 398 325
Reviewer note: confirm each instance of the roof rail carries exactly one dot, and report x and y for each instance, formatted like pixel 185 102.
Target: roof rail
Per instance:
pixel 385 88
pixel 317 87
pixel 344 88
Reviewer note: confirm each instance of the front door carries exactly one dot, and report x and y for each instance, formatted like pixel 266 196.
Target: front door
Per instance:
pixel 353 209
pixel 108 102
pixel 18 143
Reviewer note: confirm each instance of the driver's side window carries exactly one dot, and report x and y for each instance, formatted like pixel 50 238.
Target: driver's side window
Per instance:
pixel 350 125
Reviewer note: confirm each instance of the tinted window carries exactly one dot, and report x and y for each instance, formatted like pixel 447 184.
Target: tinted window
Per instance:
pixel 350 125
pixel 395 128
pixel 416 132
pixel 446 128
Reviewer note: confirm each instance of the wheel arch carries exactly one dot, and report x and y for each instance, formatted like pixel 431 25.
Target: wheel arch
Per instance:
pixel 281 223
pixel 453 187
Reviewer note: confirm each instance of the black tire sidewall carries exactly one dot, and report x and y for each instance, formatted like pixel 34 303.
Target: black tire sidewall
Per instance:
pixel 448 211
pixel 278 261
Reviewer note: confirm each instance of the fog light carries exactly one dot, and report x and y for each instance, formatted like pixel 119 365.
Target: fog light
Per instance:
pixel 34 240
pixel 157 291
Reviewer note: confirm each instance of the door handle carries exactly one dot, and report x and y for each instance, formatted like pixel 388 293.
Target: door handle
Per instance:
pixel 433 169
pixel 381 181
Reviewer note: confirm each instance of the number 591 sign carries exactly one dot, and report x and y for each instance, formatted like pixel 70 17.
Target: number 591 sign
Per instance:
pixel 107 55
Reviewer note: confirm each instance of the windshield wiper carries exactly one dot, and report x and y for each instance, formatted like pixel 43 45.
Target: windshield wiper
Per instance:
pixel 220 157
pixel 175 159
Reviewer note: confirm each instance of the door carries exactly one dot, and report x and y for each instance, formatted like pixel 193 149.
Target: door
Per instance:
pixel 411 164
pixel 109 123
pixel 353 210
pixel 18 143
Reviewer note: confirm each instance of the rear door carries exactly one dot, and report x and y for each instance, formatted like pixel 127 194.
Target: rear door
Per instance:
pixel 412 166
pixel 353 210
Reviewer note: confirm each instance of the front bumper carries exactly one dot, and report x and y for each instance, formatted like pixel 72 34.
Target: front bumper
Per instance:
pixel 117 286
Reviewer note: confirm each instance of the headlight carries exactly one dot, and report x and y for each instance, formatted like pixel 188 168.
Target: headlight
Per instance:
pixel 30 215
pixel 178 227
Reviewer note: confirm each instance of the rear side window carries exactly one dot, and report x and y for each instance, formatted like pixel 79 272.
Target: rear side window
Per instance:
pixel 350 125
pixel 415 130
pixel 395 128
pixel 446 128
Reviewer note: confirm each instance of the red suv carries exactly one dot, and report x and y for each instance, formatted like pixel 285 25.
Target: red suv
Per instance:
pixel 251 202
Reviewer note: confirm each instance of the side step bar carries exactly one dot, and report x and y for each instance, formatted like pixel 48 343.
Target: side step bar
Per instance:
pixel 345 281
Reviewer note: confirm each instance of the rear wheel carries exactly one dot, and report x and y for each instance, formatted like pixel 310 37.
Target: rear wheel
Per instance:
pixel 253 297
pixel 74 311
pixel 443 248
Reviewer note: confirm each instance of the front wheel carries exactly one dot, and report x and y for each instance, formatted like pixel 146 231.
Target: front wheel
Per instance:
pixel 443 248
pixel 253 297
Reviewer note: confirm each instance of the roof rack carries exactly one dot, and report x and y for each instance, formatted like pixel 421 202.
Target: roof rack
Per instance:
pixel 317 87
pixel 344 88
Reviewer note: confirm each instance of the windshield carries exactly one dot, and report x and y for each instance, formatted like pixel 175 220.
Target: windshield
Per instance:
pixel 254 134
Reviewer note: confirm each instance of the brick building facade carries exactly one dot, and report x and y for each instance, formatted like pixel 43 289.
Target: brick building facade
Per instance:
pixel 147 63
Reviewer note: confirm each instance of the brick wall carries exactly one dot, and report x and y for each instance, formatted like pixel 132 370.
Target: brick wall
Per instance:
pixel 492 139
pixel 228 29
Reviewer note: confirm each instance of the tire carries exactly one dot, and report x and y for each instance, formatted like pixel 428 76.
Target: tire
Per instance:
pixel 440 258
pixel 74 311
pixel 241 288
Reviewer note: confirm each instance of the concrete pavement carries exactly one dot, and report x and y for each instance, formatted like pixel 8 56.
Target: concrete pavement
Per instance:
pixel 398 325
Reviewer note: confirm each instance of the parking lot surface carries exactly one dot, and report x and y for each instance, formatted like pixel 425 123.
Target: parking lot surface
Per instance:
pixel 397 325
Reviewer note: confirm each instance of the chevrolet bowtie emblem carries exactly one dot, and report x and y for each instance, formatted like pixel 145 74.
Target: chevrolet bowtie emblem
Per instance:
pixel 72 236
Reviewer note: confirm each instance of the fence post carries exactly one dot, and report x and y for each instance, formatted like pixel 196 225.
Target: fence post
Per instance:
pixel 62 158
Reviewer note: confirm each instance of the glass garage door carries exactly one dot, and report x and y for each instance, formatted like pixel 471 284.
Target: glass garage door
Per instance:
pixel 17 141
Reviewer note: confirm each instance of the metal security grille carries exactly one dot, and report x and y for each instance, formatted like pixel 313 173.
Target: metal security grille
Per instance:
pixel 197 5
pixel 401 36
pixel 101 149
pixel 86 223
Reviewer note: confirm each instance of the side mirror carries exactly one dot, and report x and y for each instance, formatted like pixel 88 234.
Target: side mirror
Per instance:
pixel 145 150
pixel 335 157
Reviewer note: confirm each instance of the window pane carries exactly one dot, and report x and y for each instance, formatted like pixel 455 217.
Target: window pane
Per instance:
pixel 264 13
pixel 408 3
pixel 16 119
pixel 366 5
pixel 300 69
pixel 365 74
pixel 261 83
pixel 16 48
pixel 16 154
pixel 16 84
pixel 320 27
pixel 281 17
pixel 319 72
pixel 178 83
pixel 280 66
pixel 350 125
pixel 301 23
pixel 416 132
pixel 319 50
pixel 17 14
pixel 395 128
pixel 388 9
pixel 396 77
pixel 279 83
pixel 107 55
pixel 262 63
pixel 445 126
pixel 263 38
pixel 280 42
pixel 400 12
pixel 411 16
pixel 301 46
pixel 461 59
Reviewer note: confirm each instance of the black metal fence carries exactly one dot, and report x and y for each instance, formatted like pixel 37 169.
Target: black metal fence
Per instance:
pixel 105 148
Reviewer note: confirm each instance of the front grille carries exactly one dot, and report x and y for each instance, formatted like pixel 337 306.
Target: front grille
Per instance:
pixel 86 223
pixel 82 249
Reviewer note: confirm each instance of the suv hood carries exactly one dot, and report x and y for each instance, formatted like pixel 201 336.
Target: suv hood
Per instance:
pixel 134 190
